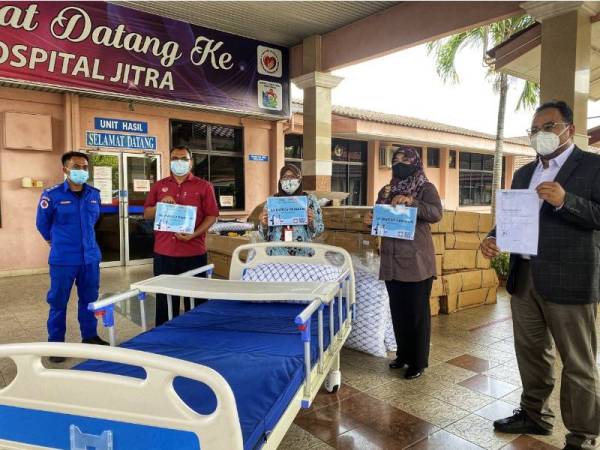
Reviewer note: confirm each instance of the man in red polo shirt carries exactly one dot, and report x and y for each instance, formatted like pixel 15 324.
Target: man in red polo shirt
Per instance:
pixel 175 253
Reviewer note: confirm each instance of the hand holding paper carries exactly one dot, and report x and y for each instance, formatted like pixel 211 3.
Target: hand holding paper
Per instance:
pixel 518 221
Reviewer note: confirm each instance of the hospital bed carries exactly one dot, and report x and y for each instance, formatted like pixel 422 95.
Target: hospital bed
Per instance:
pixel 231 374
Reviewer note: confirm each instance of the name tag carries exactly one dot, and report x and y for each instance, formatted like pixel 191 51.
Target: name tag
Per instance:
pixel 287 235
pixel 65 202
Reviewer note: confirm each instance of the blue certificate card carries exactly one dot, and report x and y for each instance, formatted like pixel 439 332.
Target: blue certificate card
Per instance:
pixel 394 221
pixel 287 210
pixel 175 218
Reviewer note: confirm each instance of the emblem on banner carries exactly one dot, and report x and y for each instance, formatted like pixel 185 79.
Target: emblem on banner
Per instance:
pixel 269 61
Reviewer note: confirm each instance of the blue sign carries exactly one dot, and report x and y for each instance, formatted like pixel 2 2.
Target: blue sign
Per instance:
pixel 287 210
pixel 115 140
pixel 175 218
pixel 126 126
pixel 263 158
pixel 397 222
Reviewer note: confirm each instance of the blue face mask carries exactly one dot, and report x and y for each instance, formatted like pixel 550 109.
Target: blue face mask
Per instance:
pixel 180 168
pixel 78 176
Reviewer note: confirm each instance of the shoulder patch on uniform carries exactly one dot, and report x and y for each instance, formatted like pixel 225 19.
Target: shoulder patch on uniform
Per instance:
pixel 43 203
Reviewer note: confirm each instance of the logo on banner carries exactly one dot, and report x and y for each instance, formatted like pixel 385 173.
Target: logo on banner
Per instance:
pixel 269 61
pixel 270 95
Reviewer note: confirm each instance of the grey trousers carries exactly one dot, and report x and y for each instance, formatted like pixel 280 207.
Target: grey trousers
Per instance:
pixel 573 328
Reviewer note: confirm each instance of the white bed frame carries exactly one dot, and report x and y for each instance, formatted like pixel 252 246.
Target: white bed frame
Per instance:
pixel 153 401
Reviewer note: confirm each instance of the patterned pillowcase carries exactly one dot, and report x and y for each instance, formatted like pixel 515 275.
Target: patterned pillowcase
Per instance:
pixel 291 272
pixel 220 227
pixel 371 326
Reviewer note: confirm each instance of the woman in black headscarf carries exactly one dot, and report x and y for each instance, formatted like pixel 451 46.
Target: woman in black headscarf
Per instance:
pixel 408 266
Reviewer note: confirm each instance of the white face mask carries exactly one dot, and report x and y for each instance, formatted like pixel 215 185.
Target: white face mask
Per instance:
pixel 545 142
pixel 290 186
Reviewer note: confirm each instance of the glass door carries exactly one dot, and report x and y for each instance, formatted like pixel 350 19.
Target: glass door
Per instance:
pixel 105 175
pixel 140 173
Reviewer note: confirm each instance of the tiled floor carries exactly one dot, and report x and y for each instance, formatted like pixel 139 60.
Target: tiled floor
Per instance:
pixel 472 380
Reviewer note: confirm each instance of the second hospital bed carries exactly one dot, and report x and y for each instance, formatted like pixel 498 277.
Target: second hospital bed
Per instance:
pixel 230 374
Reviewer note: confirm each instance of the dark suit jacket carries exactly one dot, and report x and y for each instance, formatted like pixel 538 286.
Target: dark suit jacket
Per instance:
pixel 567 267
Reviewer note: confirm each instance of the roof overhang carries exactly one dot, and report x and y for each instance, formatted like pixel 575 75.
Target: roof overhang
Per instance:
pixel 521 56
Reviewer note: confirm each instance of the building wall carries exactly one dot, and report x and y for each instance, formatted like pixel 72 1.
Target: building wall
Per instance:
pixel 23 249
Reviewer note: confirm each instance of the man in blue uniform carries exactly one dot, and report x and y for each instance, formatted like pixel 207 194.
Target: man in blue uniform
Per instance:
pixel 66 217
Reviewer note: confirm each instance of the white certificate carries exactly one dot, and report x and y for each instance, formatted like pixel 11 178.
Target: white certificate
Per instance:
pixel 518 221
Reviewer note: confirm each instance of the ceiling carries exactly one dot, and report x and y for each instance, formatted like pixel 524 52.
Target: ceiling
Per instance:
pixel 284 23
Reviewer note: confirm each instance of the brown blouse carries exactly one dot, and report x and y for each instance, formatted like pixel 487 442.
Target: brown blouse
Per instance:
pixel 412 261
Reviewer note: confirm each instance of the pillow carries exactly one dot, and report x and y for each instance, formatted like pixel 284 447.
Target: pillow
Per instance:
pixel 221 227
pixel 372 319
pixel 291 272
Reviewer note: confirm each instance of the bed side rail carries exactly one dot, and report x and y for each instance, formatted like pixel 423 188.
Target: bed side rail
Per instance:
pixel 151 401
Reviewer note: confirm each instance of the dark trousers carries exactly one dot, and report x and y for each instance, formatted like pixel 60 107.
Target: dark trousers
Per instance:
pixel 411 317
pixel 174 265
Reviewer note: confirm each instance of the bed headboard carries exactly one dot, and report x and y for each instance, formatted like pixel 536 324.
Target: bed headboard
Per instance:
pixel 61 394
pixel 257 254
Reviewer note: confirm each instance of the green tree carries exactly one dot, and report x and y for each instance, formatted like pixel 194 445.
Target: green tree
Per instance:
pixel 445 52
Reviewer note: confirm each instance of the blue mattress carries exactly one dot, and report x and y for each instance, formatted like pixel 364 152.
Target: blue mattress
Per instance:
pixel 255 346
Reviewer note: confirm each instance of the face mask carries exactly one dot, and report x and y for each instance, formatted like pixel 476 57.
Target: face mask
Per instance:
pixel 402 171
pixel 545 142
pixel 78 176
pixel 290 186
pixel 180 168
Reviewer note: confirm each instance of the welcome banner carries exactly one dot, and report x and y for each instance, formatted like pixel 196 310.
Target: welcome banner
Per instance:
pixel 101 47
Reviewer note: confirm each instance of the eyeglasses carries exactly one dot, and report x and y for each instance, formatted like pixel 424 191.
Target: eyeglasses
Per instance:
pixel 175 158
pixel 289 177
pixel 548 127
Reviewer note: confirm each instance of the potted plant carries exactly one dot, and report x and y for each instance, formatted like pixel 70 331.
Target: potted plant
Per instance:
pixel 500 265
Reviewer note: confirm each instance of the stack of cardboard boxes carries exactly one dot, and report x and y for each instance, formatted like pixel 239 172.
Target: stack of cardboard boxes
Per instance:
pixel 220 248
pixel 465 278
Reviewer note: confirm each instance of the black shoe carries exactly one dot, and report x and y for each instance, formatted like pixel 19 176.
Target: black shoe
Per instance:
pixel 520 423
pixel 397 364
pixel 571 447
pixel 413 372
pixel 95 340
pixel 56 359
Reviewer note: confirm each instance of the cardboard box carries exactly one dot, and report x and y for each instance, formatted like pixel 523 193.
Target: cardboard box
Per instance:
pixel 221 262
pixel 327 237
pixel 438 243
pixel 351 242
pixel 452 283
pixel 438 265
pixel 434 306
pixel 446 225
pixel 437 289
pixel 492 296
pixel 449 303
pixel 482 261
pixel 476 297
pixel 354 219
pixel 462 241
pixel 224 244
pixel 333 218
pixel 466 221
pixel 369 243
pixel 489 279
pixel 485 223
pixel 459 259
pixel 471 280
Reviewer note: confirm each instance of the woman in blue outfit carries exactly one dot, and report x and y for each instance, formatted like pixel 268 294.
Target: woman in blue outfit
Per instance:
pixel 290 183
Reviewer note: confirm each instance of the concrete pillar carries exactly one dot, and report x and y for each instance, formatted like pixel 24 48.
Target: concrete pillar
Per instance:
pixel 71 122
pixel 316 111
pixel 277 154
pixel 372 170
pixel 566 50
pixel 444 160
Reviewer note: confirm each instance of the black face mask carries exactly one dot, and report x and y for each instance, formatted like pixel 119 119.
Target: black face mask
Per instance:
pixel 402 171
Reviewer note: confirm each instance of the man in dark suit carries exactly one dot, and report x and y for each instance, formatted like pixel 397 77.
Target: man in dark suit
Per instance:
pixel 555 294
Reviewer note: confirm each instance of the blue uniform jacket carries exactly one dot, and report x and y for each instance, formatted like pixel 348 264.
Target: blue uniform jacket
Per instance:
pixel 67 221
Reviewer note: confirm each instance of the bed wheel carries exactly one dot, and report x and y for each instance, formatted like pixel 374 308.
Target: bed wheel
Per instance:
pixel 333 381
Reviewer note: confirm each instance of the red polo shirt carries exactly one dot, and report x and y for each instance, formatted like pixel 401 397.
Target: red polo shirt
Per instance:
pixel 193 191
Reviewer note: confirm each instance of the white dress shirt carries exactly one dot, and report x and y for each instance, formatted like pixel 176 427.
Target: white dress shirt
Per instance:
pixel 542 175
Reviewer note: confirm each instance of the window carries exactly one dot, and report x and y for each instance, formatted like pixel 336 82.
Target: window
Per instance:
pixel 218 154
pixel 475 179
pixel 452 159
pixel 293 149
pixel 433 157
pixel 349 169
